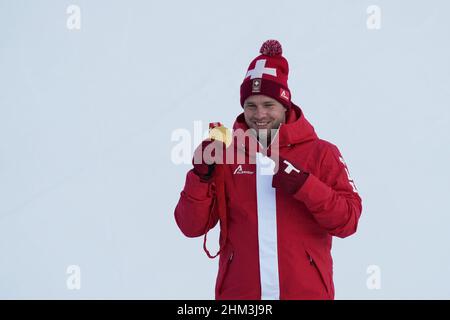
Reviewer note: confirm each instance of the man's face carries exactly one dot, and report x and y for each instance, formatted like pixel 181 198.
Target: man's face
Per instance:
pixel 263 113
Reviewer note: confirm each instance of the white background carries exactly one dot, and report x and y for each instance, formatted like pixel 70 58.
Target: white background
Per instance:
pixel 86 117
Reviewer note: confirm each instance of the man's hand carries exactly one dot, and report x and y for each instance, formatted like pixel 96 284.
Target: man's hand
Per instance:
pixel 206 155
pixel 288 177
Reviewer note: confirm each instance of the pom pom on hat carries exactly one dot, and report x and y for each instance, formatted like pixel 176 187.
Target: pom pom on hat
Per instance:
pixel 271 48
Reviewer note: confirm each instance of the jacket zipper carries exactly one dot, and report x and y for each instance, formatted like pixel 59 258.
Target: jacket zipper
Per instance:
pixel 314 265
pixel 226 266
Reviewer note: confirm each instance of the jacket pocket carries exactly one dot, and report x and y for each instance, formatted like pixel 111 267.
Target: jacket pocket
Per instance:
pixel 223 270
pixel 318 270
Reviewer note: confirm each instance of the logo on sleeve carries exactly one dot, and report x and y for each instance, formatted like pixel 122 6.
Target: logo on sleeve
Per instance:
pixel 350 180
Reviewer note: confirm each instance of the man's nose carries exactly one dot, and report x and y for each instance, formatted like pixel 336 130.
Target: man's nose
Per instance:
pixel 260 113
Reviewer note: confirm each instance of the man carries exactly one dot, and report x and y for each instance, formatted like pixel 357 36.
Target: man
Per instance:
pixel 277 230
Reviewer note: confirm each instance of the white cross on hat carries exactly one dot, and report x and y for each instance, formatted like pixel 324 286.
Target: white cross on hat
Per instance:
pixel 260 69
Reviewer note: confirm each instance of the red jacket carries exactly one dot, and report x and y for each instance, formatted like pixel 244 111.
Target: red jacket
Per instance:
pixel 278 246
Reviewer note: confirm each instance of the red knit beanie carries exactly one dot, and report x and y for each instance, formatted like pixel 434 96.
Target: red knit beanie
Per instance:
pixel 267 74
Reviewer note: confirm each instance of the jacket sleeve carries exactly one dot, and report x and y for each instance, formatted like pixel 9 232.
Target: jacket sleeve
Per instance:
pixel 333 199
pixel 194 214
